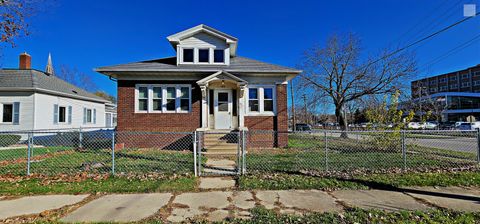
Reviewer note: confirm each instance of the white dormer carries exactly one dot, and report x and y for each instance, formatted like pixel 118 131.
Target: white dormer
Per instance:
pixel 203 45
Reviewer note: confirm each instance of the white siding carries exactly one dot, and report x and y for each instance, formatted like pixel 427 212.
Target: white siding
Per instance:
pixel 204 40
pixel 26 110
pixel 44 112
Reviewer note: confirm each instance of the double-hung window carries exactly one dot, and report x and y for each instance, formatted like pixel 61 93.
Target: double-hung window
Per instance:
pixel 157 98
pixel 169 98
pixel 62 114
pixel 261 100
pixel 143 98
pixel 7 113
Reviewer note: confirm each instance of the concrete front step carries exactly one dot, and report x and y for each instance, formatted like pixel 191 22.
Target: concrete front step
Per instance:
pixel 220 147
pixel 219 143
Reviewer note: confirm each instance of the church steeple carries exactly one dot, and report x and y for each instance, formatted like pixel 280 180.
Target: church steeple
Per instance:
pixel 49 67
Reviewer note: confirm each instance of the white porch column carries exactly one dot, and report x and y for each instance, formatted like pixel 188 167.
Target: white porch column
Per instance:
pixel 241 106
pixel 204 90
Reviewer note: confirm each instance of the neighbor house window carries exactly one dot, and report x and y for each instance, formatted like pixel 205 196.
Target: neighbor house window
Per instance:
pixel 453 86
pixel 157 98
pixel 143 98
pixel 163 98
pixel 7 113
pixel 219 56
pixel 89 115
pixel 62 114
pixel 465 84
pixel 203 55
pixel 253 99
pixel 443 88
pixel 465 76
pixel 443 80
pixel 188 55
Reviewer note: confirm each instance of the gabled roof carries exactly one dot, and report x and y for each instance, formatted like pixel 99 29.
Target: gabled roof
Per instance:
pixel 174 39
pixel 237 65
pixel 34 80
pixel 221 75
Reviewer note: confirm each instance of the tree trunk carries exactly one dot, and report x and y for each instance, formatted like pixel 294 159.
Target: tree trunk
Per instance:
pixel 341 120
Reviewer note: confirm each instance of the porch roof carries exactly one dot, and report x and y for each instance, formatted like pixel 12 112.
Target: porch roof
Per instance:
pixel 221 75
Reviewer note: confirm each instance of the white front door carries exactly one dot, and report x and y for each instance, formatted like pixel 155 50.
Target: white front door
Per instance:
pixel 223 108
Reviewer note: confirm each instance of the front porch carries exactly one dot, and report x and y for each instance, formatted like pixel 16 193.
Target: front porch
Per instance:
pixel 223 102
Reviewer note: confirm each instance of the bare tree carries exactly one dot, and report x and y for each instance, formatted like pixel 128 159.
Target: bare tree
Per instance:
pixel 106 96
pixel 337 72
pixel 77 78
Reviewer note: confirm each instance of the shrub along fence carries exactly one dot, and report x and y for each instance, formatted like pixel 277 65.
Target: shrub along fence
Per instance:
pixel 95 151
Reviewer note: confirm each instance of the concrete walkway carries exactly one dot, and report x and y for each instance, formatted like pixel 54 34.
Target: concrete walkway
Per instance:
pixel 219 205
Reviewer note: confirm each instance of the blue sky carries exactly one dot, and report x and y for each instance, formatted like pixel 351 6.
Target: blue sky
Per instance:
pixel 88 34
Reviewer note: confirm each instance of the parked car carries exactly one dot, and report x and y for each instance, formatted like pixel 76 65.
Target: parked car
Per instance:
pixel 416 125
pixel 303 127
pixel 464 126
pixel 431 125
pixel 447 125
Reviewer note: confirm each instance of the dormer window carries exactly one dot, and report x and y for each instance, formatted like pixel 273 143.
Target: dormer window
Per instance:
pixel 188 55
pixel 219 56
pixel 203 55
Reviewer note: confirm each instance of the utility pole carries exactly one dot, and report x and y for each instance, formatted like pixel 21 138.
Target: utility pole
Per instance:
pixel 294 120
pixel 305 107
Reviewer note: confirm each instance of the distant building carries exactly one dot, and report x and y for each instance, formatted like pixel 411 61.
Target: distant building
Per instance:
pixel 31 99
pixel 458 92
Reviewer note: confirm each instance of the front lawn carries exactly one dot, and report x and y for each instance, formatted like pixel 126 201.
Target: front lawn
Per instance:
pixel 91 186
pixel 47 161
pixel 295 181
pixel 307 152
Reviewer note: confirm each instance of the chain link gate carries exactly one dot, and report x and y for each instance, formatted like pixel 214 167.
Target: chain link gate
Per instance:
pixel 219 153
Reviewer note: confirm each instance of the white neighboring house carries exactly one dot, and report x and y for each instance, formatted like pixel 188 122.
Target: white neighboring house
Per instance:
pixel 35 100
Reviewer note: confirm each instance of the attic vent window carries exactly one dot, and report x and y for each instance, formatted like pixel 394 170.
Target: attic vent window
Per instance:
pixel 219 56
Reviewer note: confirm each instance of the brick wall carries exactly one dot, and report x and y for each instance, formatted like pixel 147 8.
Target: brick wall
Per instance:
pixel 128 120
pixel 260 125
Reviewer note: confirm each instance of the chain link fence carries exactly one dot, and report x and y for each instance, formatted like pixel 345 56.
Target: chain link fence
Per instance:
pixel 74 151
pixel 362 151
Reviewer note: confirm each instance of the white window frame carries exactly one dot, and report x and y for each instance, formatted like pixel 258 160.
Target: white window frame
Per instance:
pixel 66 114
pixel 465 84
pixel 1 113
pixel 454 86
pixel 164 98
pixel 261 108
pixel 443 88
pixel 151 98
pixel 465 76
pixel 197 52
pixel 442 80
pixel 211 60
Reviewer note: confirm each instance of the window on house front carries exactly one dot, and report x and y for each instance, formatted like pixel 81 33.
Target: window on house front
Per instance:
pixel 453 78
pixel 219 56
pixel 171 95
pixel 253 99
pixel 465 84
pixel 268 99
pixel 184 98
pixel 454 86
pixel 465 76
pixel 163 98
pixel 142 98
pixel 7 113
pixel 443 80
pixel 157 98
pixel 62 114
pixel 203 55
pixel 187 55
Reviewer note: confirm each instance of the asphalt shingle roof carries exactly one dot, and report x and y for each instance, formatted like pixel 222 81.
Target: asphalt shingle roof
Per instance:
pixel 237 64
pixel 33 79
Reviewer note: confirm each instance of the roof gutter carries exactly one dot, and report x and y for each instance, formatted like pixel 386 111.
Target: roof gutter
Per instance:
pixel 13 89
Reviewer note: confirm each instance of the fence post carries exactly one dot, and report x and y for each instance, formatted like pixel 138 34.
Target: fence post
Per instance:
pixel 326 151
pixel 195 153
pixel 244 152
pixel 113 152
pixel 29 152
pixel 239 165
pixel 80 138
pixel 478 145
pixel 404 150
pixel 199 151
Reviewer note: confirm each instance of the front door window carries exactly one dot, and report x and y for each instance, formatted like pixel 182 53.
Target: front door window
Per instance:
pixel 223 109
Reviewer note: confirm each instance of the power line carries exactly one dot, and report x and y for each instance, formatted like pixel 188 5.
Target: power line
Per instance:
pixel 421 40
pixel 451 52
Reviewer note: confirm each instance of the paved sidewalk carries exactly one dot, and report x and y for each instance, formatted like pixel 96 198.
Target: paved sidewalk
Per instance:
pixel 218 205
